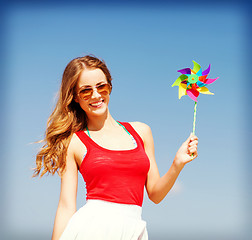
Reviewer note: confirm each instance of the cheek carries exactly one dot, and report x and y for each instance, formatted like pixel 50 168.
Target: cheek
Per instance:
pixel 108 98
pixel 83 105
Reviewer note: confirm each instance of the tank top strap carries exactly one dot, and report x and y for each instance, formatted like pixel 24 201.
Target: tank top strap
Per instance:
pixel 133 132
pixel 84 138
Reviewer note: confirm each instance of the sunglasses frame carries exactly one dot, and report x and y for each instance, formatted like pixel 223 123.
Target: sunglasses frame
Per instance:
pixel 97 90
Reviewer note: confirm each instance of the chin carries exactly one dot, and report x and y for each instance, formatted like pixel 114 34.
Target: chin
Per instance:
pixel 98 111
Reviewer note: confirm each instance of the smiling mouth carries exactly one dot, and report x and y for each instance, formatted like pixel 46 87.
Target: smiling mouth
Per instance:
pixel 97 104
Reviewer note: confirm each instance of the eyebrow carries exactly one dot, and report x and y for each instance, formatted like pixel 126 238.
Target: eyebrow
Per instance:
pixel 88 86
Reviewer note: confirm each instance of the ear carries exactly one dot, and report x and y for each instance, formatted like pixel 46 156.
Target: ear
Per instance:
pixel 76 99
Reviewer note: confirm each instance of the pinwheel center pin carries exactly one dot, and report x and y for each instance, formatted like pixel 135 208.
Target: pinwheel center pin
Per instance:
pixel 193 78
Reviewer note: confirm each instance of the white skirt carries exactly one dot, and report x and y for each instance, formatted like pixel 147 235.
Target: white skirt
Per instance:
pixel 101 220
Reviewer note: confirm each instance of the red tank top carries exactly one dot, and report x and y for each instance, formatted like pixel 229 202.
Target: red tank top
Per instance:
pixel 115 175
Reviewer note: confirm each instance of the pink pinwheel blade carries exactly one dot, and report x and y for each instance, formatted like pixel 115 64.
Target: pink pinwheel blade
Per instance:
pixel 205 72
pixel 209 80
pixel 193 94
pixel 185 71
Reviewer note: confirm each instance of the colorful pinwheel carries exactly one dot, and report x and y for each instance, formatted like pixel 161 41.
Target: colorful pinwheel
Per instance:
pixel 192 82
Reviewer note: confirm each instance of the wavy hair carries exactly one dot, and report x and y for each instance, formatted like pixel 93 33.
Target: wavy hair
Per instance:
pixel 67 117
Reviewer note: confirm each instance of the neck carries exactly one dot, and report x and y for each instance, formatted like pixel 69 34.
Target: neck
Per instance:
pixel 98 123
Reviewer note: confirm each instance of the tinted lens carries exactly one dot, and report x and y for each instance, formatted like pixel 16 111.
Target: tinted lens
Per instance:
pixel 103 89
pixel 85 93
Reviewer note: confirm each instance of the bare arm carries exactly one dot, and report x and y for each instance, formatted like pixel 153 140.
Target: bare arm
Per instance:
pixel 157 187
pixel 68 193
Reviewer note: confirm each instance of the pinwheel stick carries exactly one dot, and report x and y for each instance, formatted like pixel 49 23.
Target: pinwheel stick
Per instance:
pixel 194 117
pixel 194 121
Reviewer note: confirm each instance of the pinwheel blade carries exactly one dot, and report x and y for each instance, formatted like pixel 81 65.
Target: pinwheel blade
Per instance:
pixel 209 80
pixel 179 80
pixel 199 73
pixel 204 90
pixel 185 71
pixel 201 84
pixel 182 90
pixel 196 67
pixel 202 78
pixel 205 72
pixel 193 94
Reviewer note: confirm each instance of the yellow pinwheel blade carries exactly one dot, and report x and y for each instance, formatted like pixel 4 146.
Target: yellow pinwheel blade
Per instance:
pixel 196 67
pixel 204 90
pixel 179 80
pixel 182 90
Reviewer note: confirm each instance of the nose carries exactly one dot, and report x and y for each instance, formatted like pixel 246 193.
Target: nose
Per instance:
pixel 95 93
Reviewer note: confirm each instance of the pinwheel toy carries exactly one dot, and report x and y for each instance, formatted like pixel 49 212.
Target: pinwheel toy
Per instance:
pixel 192 82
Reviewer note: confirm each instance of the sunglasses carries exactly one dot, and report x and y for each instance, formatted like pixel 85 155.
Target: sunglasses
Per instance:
pixel 102 89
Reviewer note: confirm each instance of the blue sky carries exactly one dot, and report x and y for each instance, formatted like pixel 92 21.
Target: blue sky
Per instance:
pixel 143 46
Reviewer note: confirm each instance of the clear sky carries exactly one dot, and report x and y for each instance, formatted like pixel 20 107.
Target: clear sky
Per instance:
pixel 143 46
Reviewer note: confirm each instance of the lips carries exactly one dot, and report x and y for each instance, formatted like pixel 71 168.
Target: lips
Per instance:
pixel 96 104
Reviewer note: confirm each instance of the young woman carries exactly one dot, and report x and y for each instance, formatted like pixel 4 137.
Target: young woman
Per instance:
pixel 116 159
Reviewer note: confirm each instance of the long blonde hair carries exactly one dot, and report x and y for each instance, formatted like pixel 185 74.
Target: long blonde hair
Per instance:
pixel 66 119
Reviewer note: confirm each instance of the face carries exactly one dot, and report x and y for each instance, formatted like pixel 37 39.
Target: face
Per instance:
pixel 92 94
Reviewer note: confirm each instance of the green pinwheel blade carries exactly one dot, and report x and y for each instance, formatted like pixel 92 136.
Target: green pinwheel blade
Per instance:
pixel 196 67
pixel 179 80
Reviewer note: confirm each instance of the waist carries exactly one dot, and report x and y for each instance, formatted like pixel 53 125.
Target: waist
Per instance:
pixel 109 208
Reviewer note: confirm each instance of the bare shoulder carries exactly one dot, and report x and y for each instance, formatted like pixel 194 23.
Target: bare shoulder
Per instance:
pixel 142 129
pixel 76 148
pixel 75 142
